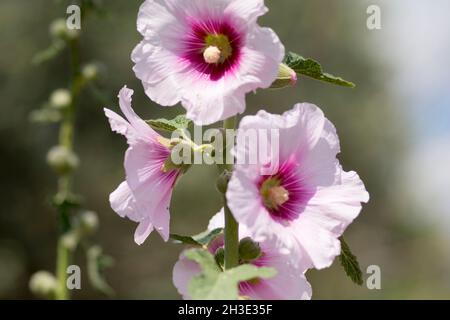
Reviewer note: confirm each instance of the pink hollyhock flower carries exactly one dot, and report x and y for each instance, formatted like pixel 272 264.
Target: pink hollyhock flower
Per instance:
pixel 289 283
pixel 144 196
pixel 309 201
pixel 205 53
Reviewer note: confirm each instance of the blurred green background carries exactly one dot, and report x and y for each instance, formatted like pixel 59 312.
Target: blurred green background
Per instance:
pixel 394 130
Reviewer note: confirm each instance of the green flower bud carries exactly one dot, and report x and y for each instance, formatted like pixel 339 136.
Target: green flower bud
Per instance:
pixel 62 160
pixel 222 181
pixel 90 71
pixel 286 77
pixel 219 256
pixel 60 99
pixel 59 30
pixel 88 222
pixel 249 250
pixel 43 284
pixel 70 240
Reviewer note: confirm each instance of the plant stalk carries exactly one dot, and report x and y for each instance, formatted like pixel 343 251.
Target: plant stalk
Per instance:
pixel 231 225
pixel 66 139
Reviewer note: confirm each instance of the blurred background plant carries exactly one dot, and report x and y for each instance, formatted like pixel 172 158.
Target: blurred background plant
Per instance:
pixel 75 224
pixel 394 129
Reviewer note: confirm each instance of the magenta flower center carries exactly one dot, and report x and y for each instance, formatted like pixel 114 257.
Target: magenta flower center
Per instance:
pixel 285 194
pixel 213 48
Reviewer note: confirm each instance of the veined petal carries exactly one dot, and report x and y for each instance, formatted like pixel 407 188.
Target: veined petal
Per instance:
pixel 145 195
pixel 170 60
pixel 319 199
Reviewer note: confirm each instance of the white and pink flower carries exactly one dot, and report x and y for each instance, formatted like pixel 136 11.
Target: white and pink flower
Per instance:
pixel 206 54
pixel 144 196
pixel 289 283
pixel 310 200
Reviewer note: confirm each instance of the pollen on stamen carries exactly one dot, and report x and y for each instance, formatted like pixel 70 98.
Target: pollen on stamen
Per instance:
pixel 212 55
pixel 278 195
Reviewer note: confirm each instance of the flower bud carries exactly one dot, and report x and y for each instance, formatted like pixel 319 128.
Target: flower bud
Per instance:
pixel 62 160
pixel 249 250
pixel 70 240
pixel 60 99
pixel 59 30
pixel 219 256
pixel 286 77
pixel 43 284
pixel 88 222
pixel 90 71
pixel 222 181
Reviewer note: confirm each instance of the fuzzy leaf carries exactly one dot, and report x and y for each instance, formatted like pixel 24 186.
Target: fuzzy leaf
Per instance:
pixel 215 284
pixel 201 239
pixel 313 69
pixel 179 122
pixel 96 263
pixel 50 53
pixel 350 263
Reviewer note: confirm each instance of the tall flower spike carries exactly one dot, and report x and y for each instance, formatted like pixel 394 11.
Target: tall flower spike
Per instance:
pixel 289 283
pixel 144 197
pixel 306 203
pixel 206 54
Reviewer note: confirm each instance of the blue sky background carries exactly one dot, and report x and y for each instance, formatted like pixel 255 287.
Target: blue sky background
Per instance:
pixel 418 34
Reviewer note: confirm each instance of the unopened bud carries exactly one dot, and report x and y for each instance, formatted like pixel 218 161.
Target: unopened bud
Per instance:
pixel 90 71
pixel 43 284
pixel 89 222
pixel 60 99
pixel 59 30
pixel 62 160
pixel 222 181
pixel 219 256
pixel 70 240
pixel 249 250
pixel 286 77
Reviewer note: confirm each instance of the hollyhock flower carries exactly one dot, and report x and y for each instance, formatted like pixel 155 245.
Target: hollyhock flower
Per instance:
pixel 309 201
pixel 289 283
pixel 144 196
pixel 205 53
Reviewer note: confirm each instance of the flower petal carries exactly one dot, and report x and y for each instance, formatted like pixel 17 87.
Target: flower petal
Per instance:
pixel 183 271
pixel 143 230
pixel 248 10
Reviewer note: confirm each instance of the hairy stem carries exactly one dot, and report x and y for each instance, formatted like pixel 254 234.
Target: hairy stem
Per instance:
pixel 231 225
pixel 66 139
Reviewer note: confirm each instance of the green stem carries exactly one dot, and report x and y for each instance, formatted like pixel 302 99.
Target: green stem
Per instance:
pixel 231 225
pixel 62 262
pixel 66 139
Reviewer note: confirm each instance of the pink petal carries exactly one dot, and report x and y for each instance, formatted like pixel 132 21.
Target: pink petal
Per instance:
pixel 248 10
pixel 143 230
pixel 168 78
pixel 183 271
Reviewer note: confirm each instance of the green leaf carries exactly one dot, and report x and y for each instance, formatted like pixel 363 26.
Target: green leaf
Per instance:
pixel 215 284
pixel 313 69
pixel 96 263
pixel 50 53
pixel 179 122
pixel 350 263
pixel 201 239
